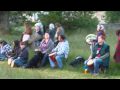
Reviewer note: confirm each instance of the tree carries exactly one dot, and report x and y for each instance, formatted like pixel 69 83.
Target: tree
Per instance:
pixel 113 16
pixel 8 18
pixel 70 19
pixel 4 21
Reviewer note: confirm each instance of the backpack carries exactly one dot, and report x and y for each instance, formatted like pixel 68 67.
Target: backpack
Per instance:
pixel 78 60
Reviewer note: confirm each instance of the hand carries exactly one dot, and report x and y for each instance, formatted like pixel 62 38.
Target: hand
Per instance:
pixel 52 54
pixel 96 57
pixel 37 49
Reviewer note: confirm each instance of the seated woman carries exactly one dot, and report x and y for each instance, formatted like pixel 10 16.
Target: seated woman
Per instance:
pixel 117 51
pixel 15 52
pixel 100 56
pixel 60 52
pixel 45 48
pixel 5 48
pixel 100 31
pixel 22 57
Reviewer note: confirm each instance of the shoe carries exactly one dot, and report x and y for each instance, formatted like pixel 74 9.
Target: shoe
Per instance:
pixel 9 61
pixel 86 71
pixel 13 64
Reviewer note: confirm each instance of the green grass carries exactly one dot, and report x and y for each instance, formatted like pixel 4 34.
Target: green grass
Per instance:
pixel 78 46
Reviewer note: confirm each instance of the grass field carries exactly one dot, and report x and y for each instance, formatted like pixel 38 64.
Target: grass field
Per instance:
pixel 78 46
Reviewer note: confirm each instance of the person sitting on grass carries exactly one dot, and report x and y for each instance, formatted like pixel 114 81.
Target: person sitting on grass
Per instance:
pixel 22 57
pixel 100 56
pixel 60 52
pixel 41 54
pixel 15 52
pixel 5 48
pixel 117 51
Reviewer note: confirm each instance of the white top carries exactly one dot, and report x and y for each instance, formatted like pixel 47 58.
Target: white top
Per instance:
pixel 26 37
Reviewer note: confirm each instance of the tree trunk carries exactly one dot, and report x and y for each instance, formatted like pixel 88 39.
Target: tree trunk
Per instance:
pixel 4 21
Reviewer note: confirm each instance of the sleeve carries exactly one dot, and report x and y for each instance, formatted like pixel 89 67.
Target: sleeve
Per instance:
pixel 62 49
pixel 107 53
pixel 24 54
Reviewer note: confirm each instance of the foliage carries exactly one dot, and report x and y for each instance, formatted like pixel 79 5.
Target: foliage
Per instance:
pixel 113 16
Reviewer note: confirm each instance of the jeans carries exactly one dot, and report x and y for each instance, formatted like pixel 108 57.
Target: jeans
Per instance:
pixel 34 61
pixel 96 65
pixel 19 62
pixel 44 60
pixel 59 59
pixel 2 57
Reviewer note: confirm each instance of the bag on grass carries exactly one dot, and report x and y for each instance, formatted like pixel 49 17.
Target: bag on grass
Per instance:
pixel 78 60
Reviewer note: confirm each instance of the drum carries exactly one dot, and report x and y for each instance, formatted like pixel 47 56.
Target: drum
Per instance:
pixel 90 62
pixel 53 59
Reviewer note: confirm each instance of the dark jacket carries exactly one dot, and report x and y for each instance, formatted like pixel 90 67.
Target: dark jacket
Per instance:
pixel 24 54
pixel 104 52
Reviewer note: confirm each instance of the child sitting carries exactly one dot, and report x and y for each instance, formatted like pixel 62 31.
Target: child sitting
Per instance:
pixel 22 57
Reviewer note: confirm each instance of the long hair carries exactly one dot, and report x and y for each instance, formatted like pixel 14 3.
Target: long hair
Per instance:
pixel 103 33
pixel 28 29
pixel 16 43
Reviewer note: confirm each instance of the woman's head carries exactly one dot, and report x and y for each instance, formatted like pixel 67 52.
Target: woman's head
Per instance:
pixel 101 39
pixel 46 36
pixel 4 42
pixel 16 43
pixel 22 45
pixel 61 38
pixel 38 27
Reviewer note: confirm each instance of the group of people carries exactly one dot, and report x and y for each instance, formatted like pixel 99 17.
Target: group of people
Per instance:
pixel 49 46
pixel 100 52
